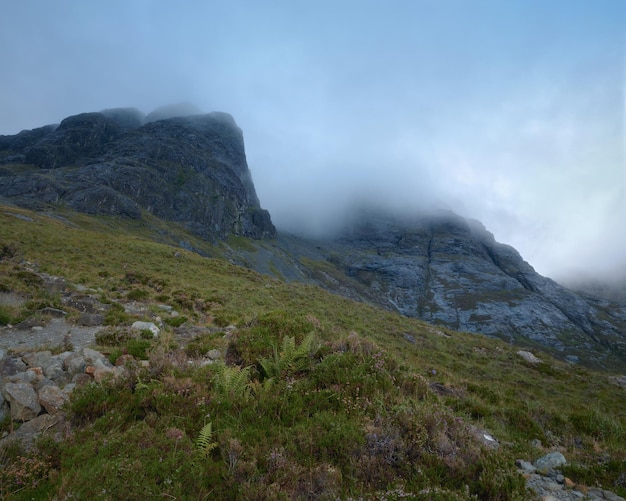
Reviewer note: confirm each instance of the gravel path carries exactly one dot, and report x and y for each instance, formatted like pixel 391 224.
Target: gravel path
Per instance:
pixel 56 332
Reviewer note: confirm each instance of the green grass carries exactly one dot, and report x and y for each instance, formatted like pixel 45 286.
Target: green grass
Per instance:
pixel 320 397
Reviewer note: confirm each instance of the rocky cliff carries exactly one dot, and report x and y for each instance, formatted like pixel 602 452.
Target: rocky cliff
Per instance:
pixel 191 170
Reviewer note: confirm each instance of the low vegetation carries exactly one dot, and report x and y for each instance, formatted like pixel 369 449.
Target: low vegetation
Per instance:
pixel 314 397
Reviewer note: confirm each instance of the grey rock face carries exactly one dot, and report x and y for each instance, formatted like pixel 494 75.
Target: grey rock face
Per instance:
pixel 191 170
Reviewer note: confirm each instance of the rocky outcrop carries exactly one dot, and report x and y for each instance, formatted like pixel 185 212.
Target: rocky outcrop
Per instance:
pixel 191 170
pixel 36 385
pixel 544 478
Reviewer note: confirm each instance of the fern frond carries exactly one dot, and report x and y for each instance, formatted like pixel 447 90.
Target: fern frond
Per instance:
pixel 291 359
pixel 233 382
pixel 205 442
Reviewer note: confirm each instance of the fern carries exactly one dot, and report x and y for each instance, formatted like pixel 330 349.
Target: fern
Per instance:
pixel 233 381
pixel 291 359
pixel 205 442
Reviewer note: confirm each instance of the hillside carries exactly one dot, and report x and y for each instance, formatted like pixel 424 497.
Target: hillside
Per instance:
pixel 319 397
pixel 160 338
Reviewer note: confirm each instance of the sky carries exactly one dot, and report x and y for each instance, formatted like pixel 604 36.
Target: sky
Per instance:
pixel 510 112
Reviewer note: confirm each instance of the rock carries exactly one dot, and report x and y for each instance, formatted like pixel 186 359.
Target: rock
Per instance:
pixel 52 398
pixel 525 466
pixel 53 312
pixel 124 360
pixel 11 366
pixel 149 326
pixel 90 319
pixel 74 364
pixel 550 462
pixel 26 434
pixel 484 437
pixel 213 354
pixel 618 380
pixel 53 285
pixel 101 374
pixel 23 401
pixel 410 338
pixel 4 408
pixel 51 366
pixel 81 380
pixel 95 358
pixel 529 357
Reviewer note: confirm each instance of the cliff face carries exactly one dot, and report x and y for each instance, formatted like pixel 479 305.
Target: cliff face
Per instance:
pixel 451 271
pixel 191 170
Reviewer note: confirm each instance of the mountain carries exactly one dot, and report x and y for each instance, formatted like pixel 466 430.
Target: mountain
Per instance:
pixel 139 360
pixel 450 271
pixel 192 170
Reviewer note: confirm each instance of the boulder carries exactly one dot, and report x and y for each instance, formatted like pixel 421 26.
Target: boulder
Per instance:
pixel 549 462
pixel 146 326
pixel 23 401
pixel 74 364
pixel 10 366
pixel 27 434
pixel 529 357
pixel 52 398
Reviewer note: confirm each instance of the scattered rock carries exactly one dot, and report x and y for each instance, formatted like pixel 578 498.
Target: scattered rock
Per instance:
pixel 26 434
pixel 150 326
pixel 53 312
pixel 525 466
pixel 618 380
pixel 550 462
pixel 529 357
pixel 484 437
pixel 549 484
pixel 213 354
pixel 409 337
pixel 74 364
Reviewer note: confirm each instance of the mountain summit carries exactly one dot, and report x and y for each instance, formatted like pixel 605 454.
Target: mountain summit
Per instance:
pixel 191 170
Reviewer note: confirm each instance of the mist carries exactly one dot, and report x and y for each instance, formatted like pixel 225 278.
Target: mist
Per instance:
pixel 511 113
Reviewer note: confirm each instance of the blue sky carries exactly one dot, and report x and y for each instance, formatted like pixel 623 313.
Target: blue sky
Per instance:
pixel 511 112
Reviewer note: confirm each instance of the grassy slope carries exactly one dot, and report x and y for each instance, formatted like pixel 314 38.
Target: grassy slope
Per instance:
pixel 365 413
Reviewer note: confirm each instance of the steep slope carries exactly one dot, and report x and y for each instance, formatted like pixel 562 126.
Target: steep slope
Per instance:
pixel 447 270
pixel 191 170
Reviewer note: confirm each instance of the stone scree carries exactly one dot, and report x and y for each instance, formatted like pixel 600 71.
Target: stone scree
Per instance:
pixel 35 386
